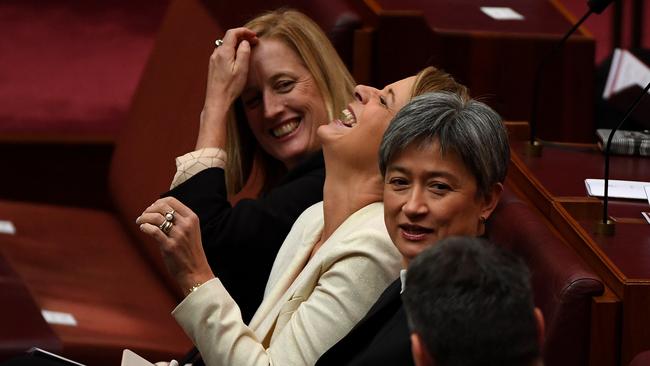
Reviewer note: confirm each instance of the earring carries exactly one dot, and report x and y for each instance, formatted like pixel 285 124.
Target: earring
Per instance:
pixel 482 219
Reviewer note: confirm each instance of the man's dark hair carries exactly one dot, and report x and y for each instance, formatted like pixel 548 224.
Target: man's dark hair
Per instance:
pixel 471 304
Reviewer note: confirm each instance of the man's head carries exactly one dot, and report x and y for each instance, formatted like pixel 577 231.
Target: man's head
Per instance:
pixel 470 303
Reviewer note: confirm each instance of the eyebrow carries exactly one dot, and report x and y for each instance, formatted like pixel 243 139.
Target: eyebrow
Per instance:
pixel 392 95
pixel 429 174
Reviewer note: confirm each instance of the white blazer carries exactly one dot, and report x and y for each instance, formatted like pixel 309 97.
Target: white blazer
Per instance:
pixel 309 304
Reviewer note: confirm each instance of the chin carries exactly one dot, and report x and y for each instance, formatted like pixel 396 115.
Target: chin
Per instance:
pixel 411 250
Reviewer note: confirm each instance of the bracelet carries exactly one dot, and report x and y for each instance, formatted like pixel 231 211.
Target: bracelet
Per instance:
pixel 194 288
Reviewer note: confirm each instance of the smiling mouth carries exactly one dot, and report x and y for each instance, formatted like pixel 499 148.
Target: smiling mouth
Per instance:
pixel 414 232
pixel 348 119
pixel 285 129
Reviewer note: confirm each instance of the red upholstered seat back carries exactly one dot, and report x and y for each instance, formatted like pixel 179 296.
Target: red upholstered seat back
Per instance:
pixel 163 120
pixel 563 285
pixel 642 359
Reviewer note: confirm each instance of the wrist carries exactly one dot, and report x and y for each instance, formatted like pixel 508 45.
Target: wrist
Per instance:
pixel 192 283
pixel 212 129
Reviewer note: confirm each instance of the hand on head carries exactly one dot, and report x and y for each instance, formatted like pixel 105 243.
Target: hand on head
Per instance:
pixel 228 68
pixel 176 228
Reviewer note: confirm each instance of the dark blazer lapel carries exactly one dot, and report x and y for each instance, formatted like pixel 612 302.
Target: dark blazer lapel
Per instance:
pixel 362 334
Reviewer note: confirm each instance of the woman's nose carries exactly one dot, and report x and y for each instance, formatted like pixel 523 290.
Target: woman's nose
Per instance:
pixel 362 93
pixel 273 105
pixel 415 204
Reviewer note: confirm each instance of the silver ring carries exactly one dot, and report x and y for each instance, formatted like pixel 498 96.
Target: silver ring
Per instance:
pixel 166 227
pixel 169 216
pixel 218 43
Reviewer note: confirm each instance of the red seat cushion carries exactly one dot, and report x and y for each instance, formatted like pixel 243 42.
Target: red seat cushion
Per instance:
pixel 82 262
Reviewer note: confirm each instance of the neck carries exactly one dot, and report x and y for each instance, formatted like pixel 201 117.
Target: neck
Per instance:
pixel 345 194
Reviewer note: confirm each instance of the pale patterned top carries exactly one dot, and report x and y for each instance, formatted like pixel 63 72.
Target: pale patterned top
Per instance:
pixel 194 162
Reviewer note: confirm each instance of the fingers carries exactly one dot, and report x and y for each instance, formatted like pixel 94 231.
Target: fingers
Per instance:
pixel 154 218
pixel 176 205
pixel 243 57
pixel 163 363
pixel 236 35
pixel 184 223
pixel 233 40
pixel 168 204
pixel 154 232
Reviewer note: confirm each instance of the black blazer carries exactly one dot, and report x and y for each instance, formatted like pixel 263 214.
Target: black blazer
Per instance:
pixel 382 337
pixel 242 241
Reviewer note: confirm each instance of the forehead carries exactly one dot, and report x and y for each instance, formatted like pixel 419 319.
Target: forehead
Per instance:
pixel 428 157
pixel 272 57
pixel 402 90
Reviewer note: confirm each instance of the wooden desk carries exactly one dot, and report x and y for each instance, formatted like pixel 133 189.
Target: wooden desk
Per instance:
pixel 554 183
pixel 497 60
pixel 21 323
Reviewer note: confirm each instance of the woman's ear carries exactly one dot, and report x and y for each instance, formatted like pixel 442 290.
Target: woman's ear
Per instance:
pixel 491 200
pixel 541 326
pixel 420 354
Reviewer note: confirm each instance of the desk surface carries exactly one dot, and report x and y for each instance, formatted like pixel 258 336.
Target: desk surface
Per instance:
pixel 628 249
pixel 554 183
pixel 540 17
pixel 563 169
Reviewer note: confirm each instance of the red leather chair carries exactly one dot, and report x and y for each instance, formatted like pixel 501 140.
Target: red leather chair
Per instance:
pixel 563 285
pixel 642 359
pixel 95 264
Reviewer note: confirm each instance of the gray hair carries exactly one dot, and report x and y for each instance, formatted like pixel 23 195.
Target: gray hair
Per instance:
pixel 462 125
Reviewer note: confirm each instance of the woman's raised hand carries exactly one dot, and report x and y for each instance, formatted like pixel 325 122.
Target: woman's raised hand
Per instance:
pixel 229 67
pixel 227 73
pixel 176 228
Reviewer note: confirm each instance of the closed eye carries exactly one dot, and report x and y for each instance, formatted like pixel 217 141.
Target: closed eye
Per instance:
pixel 284 86
pixel 383 101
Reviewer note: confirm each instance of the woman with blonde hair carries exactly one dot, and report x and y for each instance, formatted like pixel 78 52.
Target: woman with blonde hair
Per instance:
pixel 271 84
pixel 334 263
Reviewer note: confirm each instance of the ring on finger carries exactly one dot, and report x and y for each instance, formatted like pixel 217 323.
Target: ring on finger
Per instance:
pixel 169 216
pixel 166 227
pixel 218 43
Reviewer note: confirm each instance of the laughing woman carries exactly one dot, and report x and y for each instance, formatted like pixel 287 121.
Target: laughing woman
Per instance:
pixel 271 84
pixel 332 266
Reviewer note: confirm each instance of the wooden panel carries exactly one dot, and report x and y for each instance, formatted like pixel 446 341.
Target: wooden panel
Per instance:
pixel 496 60
pixel 605 330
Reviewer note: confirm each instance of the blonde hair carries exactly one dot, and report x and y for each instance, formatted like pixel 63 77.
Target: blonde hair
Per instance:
pixel 332 78
pixel 432 79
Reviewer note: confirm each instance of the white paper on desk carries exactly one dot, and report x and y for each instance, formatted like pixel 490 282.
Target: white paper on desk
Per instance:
pixel 647 193
pixel 647 216
pixel 59 317
pixel 130 358
pixel 7 227
pixel 626 70
pixel 617 188
pixel 501 13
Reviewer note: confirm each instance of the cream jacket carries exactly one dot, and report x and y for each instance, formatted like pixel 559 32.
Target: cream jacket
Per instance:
pixel 308 305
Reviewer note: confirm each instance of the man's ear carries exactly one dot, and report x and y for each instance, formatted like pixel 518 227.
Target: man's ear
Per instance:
pixel 491 200
pixel 541 327
pixel 420 354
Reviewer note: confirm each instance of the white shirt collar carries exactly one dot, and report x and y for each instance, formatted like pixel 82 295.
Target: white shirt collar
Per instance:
pixel 402 277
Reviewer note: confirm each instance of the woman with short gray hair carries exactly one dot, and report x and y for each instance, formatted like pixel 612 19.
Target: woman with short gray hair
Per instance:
pixel 444 159
pixel 466 126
